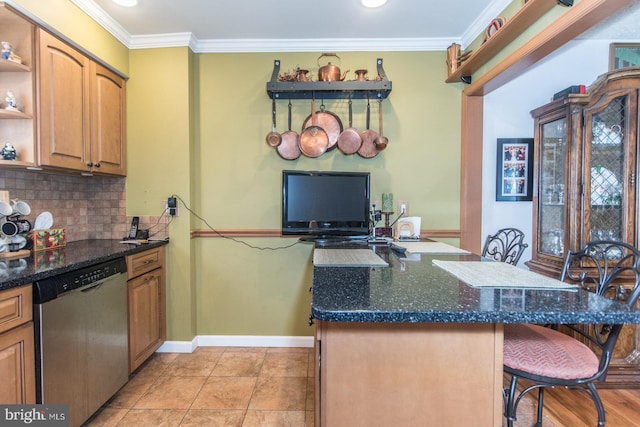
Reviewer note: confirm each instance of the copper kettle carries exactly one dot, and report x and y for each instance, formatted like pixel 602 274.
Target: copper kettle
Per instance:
pixel 330 72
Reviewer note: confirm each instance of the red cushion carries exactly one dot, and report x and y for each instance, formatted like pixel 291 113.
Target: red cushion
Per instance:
pixel 547 352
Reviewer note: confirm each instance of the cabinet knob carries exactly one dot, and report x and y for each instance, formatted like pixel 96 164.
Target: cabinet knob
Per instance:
pixel 97 165
pixel 90 164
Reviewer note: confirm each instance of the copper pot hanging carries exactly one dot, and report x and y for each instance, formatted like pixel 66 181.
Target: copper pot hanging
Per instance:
pixel 328 121
pixel 273 138
pixel 313 140
pixel 381 141
pixel 349 141
pixel 368 148
pixel 289 148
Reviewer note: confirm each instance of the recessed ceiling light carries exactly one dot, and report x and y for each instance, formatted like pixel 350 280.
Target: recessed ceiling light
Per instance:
pixel 373 3
pixel 126 3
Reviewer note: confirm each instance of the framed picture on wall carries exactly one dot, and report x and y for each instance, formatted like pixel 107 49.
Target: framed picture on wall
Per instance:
pixel 514 170
pixel 622 55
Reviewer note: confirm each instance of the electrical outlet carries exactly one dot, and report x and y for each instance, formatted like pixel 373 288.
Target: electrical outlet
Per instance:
pixel 375 205
pixel 403 208
pixel 171 205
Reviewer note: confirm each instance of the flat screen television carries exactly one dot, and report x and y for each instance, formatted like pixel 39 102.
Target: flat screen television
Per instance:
pixel 325 204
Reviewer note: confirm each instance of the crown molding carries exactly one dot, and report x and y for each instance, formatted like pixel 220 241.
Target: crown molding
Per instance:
pixel 322 45
pixel 105 20
pixel 286 45
pixel 479 25
pixel 163 40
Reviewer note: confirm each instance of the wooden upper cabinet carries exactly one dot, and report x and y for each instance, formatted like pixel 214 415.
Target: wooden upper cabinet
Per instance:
pixel 64 104
pixel 81 111
pixel 108 133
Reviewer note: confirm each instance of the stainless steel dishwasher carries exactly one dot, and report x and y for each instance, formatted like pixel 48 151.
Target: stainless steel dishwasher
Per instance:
pixel 81 338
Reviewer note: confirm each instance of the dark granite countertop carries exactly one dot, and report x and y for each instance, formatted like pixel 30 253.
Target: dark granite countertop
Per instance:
pixel 418 291
pixel 73 256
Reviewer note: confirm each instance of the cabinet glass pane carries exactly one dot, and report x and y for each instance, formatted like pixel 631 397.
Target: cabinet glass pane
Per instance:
pixel 606 164
pixel 551 197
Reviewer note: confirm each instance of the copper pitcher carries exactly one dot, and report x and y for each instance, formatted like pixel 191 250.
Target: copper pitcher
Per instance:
pixel 361 75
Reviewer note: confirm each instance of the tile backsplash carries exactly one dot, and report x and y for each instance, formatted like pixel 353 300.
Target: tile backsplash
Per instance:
pixel 91 207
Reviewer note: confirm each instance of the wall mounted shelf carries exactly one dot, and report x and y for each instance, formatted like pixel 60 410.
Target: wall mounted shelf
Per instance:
pixel 354 89
pixel 516 25
pixel 6 65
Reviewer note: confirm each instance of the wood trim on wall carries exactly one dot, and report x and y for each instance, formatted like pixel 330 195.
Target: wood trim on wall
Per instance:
pixel 235 232
pixel 579 18
pixel 470 170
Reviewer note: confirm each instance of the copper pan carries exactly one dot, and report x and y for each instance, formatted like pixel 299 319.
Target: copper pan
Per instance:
pixel 381 141
pixel 368 148
pixel 313 141
pixel 273 138
pixel 349 141
pixel 289 149
pixel 328 121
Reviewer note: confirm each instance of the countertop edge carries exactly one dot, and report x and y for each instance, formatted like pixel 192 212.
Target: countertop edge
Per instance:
pixel 120 250
pixel 629 317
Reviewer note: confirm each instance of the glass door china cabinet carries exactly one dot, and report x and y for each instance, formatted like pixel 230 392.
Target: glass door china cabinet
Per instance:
pixel 585 173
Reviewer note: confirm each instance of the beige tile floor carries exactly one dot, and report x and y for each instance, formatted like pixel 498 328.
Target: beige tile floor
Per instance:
pixel 217 386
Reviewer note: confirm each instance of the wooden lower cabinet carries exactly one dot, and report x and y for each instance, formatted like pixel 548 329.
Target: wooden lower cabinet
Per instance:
pixel 146 300
pixel 17 353
pixel 386 374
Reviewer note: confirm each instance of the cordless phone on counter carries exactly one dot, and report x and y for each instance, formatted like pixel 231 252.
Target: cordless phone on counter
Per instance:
pixel 134 227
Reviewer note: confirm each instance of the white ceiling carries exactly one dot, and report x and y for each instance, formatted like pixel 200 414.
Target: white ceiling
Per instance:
pixel 320 25
pixel 297 25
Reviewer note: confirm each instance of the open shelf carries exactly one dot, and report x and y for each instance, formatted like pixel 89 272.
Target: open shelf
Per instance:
pixel 13 114
pixel 6 65
pixel 372 89
pixel 513 27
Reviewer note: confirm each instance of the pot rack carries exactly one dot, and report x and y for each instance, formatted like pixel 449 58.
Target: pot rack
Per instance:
pixel 354 89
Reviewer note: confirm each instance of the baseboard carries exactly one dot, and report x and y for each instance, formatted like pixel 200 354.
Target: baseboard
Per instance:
pixel 178 346
pixel 234 341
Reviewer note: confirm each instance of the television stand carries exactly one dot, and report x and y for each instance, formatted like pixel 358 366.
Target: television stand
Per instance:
pixel 321 241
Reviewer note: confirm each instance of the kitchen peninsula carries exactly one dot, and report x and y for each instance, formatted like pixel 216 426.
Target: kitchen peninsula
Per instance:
pixel 412 345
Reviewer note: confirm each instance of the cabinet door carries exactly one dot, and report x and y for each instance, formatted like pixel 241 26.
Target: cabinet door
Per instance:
pixel 17 366
pixel 610 168
pixel 147 329
pixel 64 104
pixel 552 197
pixel 107 121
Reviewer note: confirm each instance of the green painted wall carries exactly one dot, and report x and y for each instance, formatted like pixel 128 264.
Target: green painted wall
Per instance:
pixel 196 127
pixel 159 140
pixel 222 168
pixel 244 291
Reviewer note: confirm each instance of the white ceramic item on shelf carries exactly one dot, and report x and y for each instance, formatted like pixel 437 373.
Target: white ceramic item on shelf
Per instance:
pixel 20 207
pixel 44 221
pixel 3 245
pixel 5 208
pixel 20 240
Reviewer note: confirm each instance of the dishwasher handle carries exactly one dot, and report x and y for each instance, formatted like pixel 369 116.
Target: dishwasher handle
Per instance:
pixel 92 287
